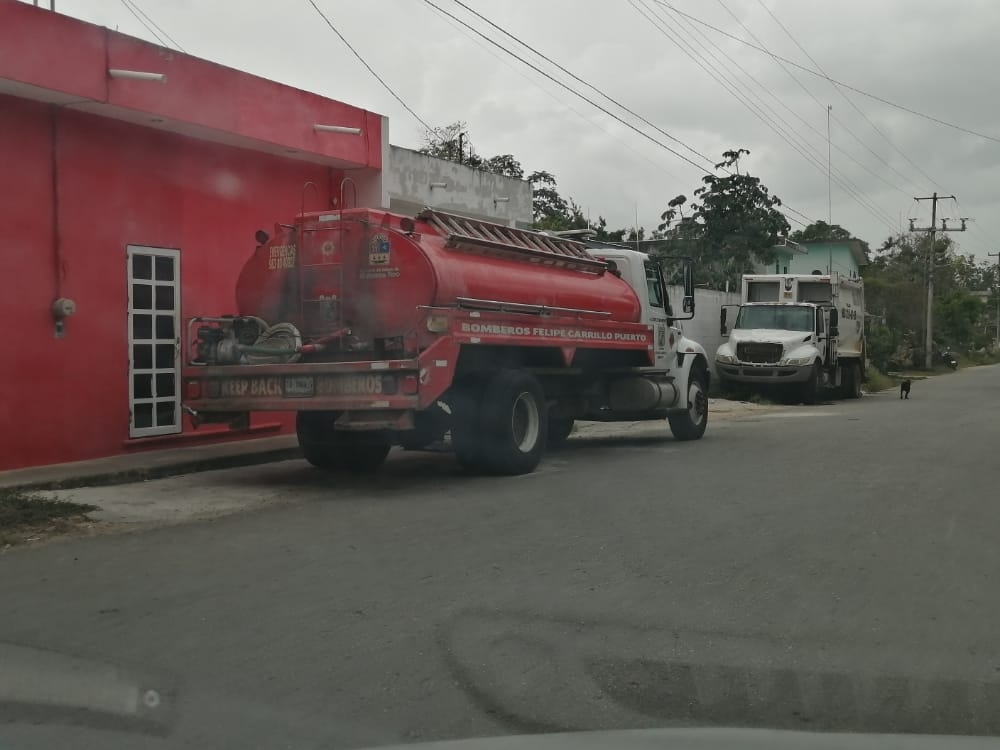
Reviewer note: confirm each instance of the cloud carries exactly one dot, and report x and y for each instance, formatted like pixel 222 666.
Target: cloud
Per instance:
pixel 938 58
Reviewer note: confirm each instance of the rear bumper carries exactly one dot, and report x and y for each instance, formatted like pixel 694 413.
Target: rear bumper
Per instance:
pixel 342 386
pixel 763 374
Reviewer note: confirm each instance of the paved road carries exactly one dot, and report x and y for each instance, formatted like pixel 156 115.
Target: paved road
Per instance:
pixel 825 567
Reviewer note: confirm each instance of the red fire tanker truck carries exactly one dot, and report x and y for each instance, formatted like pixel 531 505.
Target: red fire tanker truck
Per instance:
pixel 379 329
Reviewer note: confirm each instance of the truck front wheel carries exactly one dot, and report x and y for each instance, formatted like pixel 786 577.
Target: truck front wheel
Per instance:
pixel 326 448
pixel 691 424
pixel 514 423
pixel 810 388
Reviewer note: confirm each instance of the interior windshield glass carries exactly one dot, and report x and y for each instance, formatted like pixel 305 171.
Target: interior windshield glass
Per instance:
pixel 777 317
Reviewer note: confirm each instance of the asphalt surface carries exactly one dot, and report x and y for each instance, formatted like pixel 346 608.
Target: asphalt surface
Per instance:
pixel 825 567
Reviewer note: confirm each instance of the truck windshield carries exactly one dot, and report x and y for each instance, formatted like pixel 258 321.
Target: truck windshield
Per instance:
pixel 777 317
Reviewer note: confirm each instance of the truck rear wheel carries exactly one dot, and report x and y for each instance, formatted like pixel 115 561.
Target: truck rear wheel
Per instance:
pixel 327 448
pixel 514 423
pixel 851 381
pixel 691 424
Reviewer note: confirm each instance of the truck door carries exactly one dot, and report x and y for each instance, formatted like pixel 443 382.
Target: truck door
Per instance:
pixel 665 333
pixel 826 332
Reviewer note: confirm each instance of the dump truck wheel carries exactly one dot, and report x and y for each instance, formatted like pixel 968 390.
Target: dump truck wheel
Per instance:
pixel 691 424
pixel 810 388
pixel 852 388
pixel 514 423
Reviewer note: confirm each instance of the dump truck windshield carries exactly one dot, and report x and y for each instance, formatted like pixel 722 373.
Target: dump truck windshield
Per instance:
pixel 777 317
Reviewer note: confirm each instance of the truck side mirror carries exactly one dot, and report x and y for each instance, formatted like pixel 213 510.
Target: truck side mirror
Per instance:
pixel 834 322
pixel 723 329
pixel 687 305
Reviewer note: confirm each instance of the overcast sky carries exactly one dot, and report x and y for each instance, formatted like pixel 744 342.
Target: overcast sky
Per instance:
pixel 940 58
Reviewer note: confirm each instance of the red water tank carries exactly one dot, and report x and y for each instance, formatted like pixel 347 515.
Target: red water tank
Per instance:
pixel 372 271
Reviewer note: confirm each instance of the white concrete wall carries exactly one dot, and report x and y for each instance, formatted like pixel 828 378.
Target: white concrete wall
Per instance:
pixel 704 327
pixel 414 181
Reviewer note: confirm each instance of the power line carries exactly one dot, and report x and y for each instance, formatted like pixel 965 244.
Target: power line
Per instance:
pixel 155 25
pixel 585 98
pixel 805 122
pixel 580 80
pixel 552 96
pixel 573 91
pixel 369 67
pixel 836 119
pixel 846 97
pixel 661 25
pixel 131 10
pixel 825 77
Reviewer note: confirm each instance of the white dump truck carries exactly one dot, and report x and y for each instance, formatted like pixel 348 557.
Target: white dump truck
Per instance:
pixel 798 334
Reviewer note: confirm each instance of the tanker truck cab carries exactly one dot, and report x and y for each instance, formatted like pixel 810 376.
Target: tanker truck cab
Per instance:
pixel 797 334
pixel 378 330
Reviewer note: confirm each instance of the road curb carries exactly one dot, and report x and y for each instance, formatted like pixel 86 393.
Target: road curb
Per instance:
pixel 141 474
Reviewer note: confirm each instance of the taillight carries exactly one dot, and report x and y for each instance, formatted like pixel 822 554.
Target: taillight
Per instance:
pixel 192 390
pixel 411 384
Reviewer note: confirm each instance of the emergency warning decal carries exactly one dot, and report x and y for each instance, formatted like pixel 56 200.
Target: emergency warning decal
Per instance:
pixel 378 250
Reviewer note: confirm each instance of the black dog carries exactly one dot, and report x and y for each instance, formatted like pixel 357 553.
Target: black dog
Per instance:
pixel 904 389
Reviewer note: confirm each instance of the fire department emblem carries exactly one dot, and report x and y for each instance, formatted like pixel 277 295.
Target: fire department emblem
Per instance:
pixel 378 250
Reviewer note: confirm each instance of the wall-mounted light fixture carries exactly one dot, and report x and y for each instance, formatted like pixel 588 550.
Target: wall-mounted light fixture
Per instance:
pixel 500 199
pixel 336 129
pixel 439 184
pixel 137 75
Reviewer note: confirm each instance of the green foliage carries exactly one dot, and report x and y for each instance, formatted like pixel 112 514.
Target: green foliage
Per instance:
pixel 877 381
pixel 820 231
pixel 732 227
pixel 452 142
pixel 895 296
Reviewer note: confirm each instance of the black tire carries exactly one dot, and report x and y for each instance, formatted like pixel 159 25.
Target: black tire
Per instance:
pixel 314 430
pixel 514 423
pixel 560 428
pixel 326 448
pixel 852 382
pixel 466 400
pixel 810 389
pixel 691 424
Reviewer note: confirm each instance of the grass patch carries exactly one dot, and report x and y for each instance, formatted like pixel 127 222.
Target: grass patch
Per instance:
pixel 22 511
pixel 878 381
pixel 760 399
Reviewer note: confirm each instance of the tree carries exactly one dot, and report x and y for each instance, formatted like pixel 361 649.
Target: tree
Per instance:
pixel 733 226
pixel 549 209
pixel 820 231
pixel 452 142
pixel 895 297
pixel 504 164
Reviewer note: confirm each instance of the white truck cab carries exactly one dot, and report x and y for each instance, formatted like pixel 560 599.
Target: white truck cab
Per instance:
pixel 798 333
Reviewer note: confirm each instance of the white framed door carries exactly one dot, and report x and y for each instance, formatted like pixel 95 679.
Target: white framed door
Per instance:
pixel 154 318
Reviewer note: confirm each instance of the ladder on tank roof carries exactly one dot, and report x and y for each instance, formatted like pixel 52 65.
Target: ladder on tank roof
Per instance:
pixel 487 238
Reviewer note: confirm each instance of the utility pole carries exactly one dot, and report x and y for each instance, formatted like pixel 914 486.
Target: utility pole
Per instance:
pixel 829 170
pixel 932 230
pixel 996 291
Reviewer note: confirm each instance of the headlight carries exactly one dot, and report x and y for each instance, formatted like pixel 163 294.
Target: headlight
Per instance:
pixel 726 359
pixel 799 361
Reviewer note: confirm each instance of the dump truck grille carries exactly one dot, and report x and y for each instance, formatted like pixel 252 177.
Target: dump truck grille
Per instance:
pixel 748 351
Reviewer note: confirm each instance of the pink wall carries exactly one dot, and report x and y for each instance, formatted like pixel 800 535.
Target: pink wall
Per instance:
pixel 119 184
